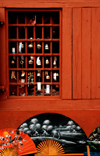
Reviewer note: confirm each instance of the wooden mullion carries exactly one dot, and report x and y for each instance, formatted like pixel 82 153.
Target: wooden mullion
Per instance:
pixel 17 58
pixel 60 54
pixel 43 53
pixel 51 86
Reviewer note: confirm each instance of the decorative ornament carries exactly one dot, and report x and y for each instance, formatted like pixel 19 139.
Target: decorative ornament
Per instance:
pixel 49 147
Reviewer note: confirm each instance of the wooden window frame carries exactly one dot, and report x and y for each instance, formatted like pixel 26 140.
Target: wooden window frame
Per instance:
pixel 8 54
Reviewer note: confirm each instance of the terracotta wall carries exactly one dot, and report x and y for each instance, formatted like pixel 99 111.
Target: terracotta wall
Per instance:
pixel 80 99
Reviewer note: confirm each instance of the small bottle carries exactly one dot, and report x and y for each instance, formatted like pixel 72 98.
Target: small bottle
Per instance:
pixel 30 46
pixel 39 82
pixel 47 86
pixel 32 77
pixel 55 62
pixel 38 62
pixel 47 63
pixel 56 76
pixel 38 50
pixel 31 62
pixel 22 63
pixel 46 48
pixel 21 47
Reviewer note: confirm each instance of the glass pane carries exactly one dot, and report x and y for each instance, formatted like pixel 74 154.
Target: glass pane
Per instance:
pixel 38 32
pixel 22 76
pixel 47 62
pixel 13 90
pixel 12 62
pixel 56 76
pixel 22 90
pixel 38 47
pixel 38 62
pixel 46 32
pixel 55 17
pixel 39 89
pixel 38 18
pixel 30 90
pixel 47 90
pixel 21 47
pixel 55 46
pixel 12 47
pixel 46 47
pixel 31 18
pixel 30 47
pixel 46 18
pixel 21 32
pixel 55 32
pixel 55 91
pixel 38 76
pixel 55 62
pixel 21 61
pixel 13 76
pixel 30 77
pixel 30 62
pixel 12 32
pixel 12 17
pixel 21 17
pixel 47 76
pixel 30 32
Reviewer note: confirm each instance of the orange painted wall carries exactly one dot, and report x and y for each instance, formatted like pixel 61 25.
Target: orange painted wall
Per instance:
pixel 80 98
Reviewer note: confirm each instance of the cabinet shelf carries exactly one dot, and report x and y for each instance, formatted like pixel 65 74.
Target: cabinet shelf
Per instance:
pixel 34 50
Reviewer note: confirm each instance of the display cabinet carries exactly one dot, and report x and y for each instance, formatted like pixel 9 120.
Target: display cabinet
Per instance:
pixel 34 53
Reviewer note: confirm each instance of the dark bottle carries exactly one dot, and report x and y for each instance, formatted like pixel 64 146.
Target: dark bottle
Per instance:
pixel 22 86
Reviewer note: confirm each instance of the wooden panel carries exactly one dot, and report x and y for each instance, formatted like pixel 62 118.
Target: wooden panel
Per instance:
pixel 49 4
pixel 95 52
pixel 66 53
pixel 86 43
pixel 2 55
pixel 77 53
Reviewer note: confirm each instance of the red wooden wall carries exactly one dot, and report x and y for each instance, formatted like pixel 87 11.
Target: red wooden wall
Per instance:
pixel 80 99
